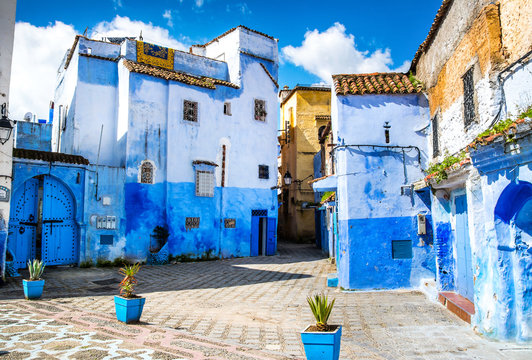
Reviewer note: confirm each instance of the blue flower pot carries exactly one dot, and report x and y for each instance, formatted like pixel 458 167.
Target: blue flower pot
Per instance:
pixel 322 345
pixel 129 310
pixel 33 289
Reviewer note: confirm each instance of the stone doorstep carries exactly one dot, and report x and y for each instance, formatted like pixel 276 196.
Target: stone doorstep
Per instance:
pixel 457 304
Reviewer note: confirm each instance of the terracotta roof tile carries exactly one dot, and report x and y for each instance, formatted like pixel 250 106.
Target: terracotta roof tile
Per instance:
pixel 270 75
pixel 49 156
pixel 202 81
pixel 376 83
pixel 438 20
pixel 230 31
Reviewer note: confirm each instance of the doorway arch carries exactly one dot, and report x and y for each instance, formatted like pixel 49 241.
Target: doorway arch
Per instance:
pixel 513 225
pixel 42 223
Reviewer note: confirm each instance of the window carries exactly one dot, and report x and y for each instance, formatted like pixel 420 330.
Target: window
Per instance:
pixel 469 97
pixel 260 110
pixel 146 172
pixel 190 110
pixel 192 223
pixel 227 108
pixel 106 239
pixel 264 172
pixel 402 249
pixel 204 183
pixel 230 223
pixel 259 212
pixel 435 142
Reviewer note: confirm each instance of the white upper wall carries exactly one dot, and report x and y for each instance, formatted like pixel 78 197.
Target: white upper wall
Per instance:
pixel 7 32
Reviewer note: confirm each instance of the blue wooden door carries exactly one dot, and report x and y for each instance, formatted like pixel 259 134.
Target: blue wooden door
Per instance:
pixel 271 243
pixel 464 267
pixel 59 230
pixel 255 229
pixel 23 222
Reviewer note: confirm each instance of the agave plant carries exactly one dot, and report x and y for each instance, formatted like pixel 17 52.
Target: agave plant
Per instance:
pixel 36 268
pixel 321 309
pixel 127 285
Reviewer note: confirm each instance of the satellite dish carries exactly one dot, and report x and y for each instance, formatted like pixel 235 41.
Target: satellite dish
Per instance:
pixel 28 116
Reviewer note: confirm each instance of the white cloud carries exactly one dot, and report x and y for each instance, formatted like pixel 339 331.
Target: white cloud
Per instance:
pixel 37 54
pixel 199 3
pixel 118 3
pixel 124 26
pixel 168 16
pixel 335 52
pixel 38 51
pixel 238 7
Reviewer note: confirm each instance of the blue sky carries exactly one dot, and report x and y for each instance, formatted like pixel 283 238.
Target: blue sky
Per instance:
pixel 316 38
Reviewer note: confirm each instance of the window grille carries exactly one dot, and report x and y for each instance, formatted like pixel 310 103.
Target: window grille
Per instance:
pixel 259 212
pixel 469 97
pixel 435 142
pixel 190 110
pixel 260 110
pixel 192 223
pixel 106 222
pixel 146 173
pixel 264 172
pixel 204 183
pixel 227 108
pixel 230 223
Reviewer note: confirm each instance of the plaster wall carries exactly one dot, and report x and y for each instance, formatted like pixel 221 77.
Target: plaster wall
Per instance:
pixel 104 196
pixel 226 49
pixel 98 48
pixel 197 65
pixel 460 18
pixel 156 116
pixel 33 136
pixel 371 210
pixel 7 29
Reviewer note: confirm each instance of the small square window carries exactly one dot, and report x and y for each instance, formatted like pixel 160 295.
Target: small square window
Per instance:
pixel 190 110
pixel 106 239
pixel 230 223
pixel 260 110
pixel 435 142
pixel 264 172
pixel 402 249
pixel 227 108
pixel 192 223
pixel 204 183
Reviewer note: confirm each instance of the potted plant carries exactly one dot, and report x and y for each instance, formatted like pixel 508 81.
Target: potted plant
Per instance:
pixel 129 306
pixel 33 287
pixel 321 341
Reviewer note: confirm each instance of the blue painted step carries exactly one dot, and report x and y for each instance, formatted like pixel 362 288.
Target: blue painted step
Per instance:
pixel 332 280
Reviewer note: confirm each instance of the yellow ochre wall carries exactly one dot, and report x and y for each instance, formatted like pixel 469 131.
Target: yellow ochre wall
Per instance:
pixel 297 157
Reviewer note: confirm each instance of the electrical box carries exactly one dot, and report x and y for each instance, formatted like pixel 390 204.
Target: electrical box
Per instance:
pixel 421 224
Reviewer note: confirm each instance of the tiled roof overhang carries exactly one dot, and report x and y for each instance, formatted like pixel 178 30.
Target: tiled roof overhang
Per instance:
pixel 202 81
pixel 49 156
pixel 375 83
pixel 309 88
pixel 230 31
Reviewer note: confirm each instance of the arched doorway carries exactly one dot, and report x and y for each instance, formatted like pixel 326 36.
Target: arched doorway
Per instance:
pixel 513 224
pixel 42 223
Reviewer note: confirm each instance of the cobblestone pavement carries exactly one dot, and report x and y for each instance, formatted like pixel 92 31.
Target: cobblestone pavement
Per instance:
pixel 230 307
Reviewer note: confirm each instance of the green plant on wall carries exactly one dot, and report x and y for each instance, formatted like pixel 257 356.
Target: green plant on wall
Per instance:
pixel 439 171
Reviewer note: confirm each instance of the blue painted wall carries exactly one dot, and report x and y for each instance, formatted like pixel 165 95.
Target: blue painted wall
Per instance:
pixel 33 136
pixel 372 213
pixel 500 202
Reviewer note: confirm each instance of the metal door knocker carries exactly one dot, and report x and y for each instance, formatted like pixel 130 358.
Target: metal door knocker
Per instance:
pixel 21 230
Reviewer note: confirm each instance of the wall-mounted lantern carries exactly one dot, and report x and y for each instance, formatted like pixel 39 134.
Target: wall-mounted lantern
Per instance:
pixel 5 126
pixel 287 178
pixel 387 127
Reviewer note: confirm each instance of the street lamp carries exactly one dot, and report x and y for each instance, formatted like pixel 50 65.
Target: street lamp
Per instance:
pixel 287 178
pixel 5 126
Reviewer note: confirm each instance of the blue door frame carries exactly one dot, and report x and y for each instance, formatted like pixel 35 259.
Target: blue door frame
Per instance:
pixel 464 267
pixel 271 234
